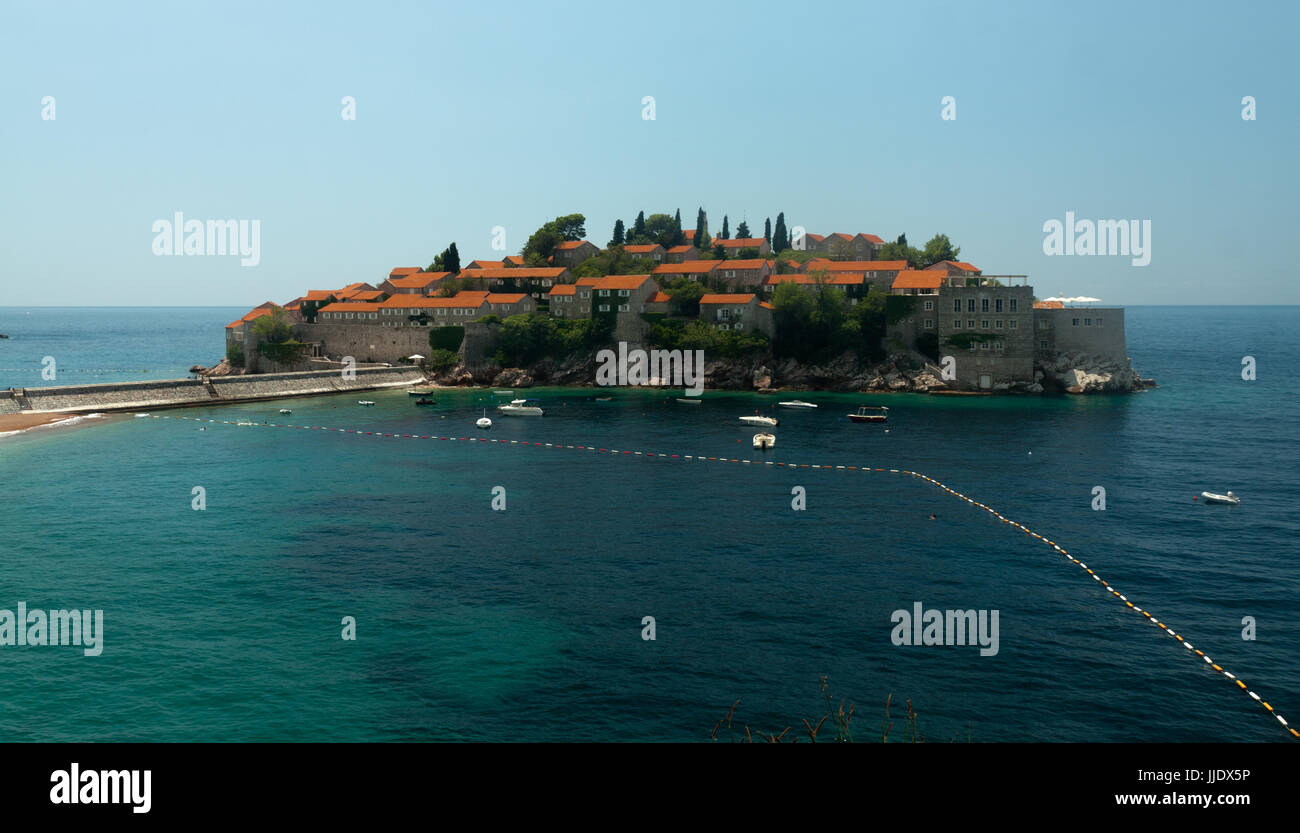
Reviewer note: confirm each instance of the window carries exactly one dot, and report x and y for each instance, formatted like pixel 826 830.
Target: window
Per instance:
pixel 1013 304
pixel 984 345
pixel 1044 324
pixel 1043 344
pixel 956 304
pixel 1087 322
pixel 997 305
pixel 984 323
pixel 929 305
pixel 956 323
pixel 1074 322
pixel 997 325
pixel 623 293
pixel 984 304
pixel 624 307
pixel 738 326
pixel 1098 322
pixel 603 308
pixel 929 322
pixel 604 293
pixel 970 304
pixel 586 293
pixel 970 323
pixel 1013 324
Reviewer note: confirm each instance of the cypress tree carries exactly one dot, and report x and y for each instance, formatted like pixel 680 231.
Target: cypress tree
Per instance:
pixel 701 222
pixel 767 230
pixel 638 228
pixel 742 231
pixel 780 237
pixel 618 234
pixel 726 235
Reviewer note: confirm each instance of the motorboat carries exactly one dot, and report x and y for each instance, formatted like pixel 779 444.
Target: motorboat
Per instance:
pixel 286 410
pixel 760 420
pixel 870 413
pixel 522 407
pixel 1212 497
pixel 366 403
pixel 604 399
pixel 764 441
pixel 483 421
pixel 424 391
pixel 504 392
pixel 689 400
pixel 243 423
pixel 798 405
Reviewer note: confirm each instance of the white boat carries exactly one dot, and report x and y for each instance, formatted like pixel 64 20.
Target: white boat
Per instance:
pixel 504 392
pixel 760 420
pixel 243 423
pixel 1229 498
pixel 689 401
pixel 798 404
pixel 286 410
pixel 143 416
pixel 764 441
pixel 365 402
pixel 522 407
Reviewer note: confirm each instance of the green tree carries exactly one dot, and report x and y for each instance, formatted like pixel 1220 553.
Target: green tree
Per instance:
pixel 725 235
pixel 684 297
pixel 679 237
pixel 273 328
pixel 617 240
pixel 661 229
pixel 638 227
pixel 701 230
pixel 541 244
pixel 719 252
pixel 938 249
pixel 742 231
pixel 899 250
pixel 767 230
pixel 780 237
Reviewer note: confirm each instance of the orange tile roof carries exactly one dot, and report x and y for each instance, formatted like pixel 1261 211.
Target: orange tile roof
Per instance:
pixel 1049 305
pixel 638 248
pixel 873 239
pixel 564 289
pixel 676 250
pixel 588 281
pixel 486 264
pixel 790 277
pixel 621 281
pixel 472 300
pixel 320 294
pixel 821 263
pixel 848 279
pixel 965 267
pixel 727 299
pixel 816 238
pixel 515 260
pixel 506 297
pixel 686 267
pixel 256 313
pixel 765 305
pixel 400 271
pixel 516 272
pixel 660 297
pixel 841 235
pixel 571 244
pixel 367 295
pixel 742 243
pixel 918 279
pixel 752 263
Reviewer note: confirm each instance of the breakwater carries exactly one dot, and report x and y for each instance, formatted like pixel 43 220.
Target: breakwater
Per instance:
pixel 178 393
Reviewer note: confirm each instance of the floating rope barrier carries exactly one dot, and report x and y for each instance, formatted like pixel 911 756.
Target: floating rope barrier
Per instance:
pixel 702 458
pixel 66 370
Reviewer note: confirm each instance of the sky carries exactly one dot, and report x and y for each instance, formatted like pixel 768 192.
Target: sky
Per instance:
pixel 472 116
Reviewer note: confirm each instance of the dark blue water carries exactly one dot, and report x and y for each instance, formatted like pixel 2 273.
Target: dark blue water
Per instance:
pixel 526 624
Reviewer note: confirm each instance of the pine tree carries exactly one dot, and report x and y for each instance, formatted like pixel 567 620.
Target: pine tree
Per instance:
pixel 767 230
pixel 701 227
pixel 742 231
pixel 679 237
pixel 618 234
pixel 451 259
pixel 780 237
pixel 638 227
pixel 726 235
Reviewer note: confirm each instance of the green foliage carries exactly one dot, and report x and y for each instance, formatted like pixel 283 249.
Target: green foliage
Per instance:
pixel 898 307
pixel 235 354
pixel 490 318
pixel 541 244
pixel 767 230
pixel 742 231
pixel 927 343
pixel 284 352
pixel 613 261
pixel 725 235
pixel 446 338
pixel 617 239
pixel 440 361
pixel 719 252
pixel 701 238
pixel 671 334
pixel 938 249
pixel 273 328
pixel 527 338
pixel 684 297
pixel 965 340
pixel 447 261
pixel 747 253
pixel 815 323
pixel 781 236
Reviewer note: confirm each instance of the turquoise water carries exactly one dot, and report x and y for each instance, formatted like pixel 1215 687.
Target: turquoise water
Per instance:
pixel 525 624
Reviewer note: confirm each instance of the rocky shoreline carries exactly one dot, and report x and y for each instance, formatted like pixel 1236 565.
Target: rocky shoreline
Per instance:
pixel 902 372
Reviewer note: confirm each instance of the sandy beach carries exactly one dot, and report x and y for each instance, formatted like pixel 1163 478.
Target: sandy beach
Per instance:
pixel 11 423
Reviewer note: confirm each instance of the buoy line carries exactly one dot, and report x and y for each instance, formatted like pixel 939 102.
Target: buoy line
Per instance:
pixel 1055 546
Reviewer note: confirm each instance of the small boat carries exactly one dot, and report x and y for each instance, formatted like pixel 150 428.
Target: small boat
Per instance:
pixel 604 399
pixel 798 404
pixel 244 423
pixel 143 416
pixel 760 420
pixel 2 335
pixel 423 401
pixel 689 401
pixel 425 391
pixel 870 413
pixel 483 421
pixel 522 407
pixel 764 441
pixel 504 392
pixel 286 410
pixel 1229 498
pixel 365 403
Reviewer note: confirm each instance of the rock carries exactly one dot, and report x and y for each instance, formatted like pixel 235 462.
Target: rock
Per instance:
pixel 1034 388
pixel 513 377
pixel 762 378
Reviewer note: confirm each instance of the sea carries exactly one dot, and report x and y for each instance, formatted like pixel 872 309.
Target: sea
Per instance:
pixel 508 590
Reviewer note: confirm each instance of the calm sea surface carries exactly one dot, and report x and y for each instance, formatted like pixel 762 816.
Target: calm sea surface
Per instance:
pixel 525 624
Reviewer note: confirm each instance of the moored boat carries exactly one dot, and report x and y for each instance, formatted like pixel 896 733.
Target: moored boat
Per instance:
pixel 418 391
pixel 760 420
pixel 764 441
pixel 798 404
pixel 366 403
pixel 1212 497
pixel 522 407
pixel 870 413
pixel 689 401
pixel 286 410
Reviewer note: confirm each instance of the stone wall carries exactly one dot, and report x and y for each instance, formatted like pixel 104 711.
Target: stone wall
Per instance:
pixel 125 395
pixel 366 342
pixel 1064 336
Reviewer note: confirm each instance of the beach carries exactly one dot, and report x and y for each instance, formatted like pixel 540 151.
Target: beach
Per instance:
pixel 12 423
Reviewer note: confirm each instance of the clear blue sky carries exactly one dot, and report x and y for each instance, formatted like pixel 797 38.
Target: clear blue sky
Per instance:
pixel 474 115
